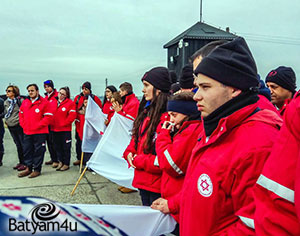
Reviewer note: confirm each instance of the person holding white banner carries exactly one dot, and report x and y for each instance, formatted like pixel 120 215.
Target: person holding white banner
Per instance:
pixel 140 153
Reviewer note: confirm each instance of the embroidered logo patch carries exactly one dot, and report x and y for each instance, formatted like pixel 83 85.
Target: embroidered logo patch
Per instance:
pixel 205 186
pixel 63 109
pixel 37 110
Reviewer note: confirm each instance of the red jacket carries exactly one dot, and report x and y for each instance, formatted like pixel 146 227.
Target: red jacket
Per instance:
pixel 35 117
pixel 64 116
pixel 78 103
pixel 274 192
pixel 107 109
pixel 174 155
pixel 217 192
pixel 52 99
pixel 286 103
pixel 130 107
pixel 147 175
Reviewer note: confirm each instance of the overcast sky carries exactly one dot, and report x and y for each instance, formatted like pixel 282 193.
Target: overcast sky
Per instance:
pixel 75 41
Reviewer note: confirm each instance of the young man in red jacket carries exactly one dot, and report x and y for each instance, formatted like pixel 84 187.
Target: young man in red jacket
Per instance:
pixel 236 140
pixel 34 117
pixel 51 96
pixel 79 99
pixel 282 83
pixel 130 105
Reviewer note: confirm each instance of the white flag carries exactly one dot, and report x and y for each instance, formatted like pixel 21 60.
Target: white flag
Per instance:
pixel 133 220
pixel 107 158
pixel 94 126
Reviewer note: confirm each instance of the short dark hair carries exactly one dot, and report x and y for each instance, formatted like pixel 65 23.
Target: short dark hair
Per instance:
pixel 34 85
pixel 126 86
pixel 15 90
pixel 206 49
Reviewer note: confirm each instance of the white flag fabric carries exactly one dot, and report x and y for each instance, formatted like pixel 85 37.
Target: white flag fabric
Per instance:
pixel 133 220
pixel 107 158
pixel 94 126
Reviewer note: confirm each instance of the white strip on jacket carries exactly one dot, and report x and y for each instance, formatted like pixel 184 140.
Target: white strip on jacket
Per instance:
pixel 280 190
pixel 247 221
pixel 172 163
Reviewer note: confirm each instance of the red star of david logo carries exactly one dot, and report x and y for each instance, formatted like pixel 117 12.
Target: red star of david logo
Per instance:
pixel 204 185
pixel 12 207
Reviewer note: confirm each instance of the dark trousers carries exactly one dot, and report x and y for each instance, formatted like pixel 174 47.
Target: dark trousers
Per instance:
pixel 17 134
pixel 34 151
pixel 62 144
pixel 148 197
pixel 1 139
pixel 86 155
pixel 50 144
pixel 78 146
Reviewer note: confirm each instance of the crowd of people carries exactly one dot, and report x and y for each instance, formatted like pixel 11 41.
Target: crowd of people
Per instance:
pixel 218 149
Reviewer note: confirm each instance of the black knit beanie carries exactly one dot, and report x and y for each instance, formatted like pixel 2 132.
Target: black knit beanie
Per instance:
pixel 159 77
pixel 49 83
pixel 186 80
pixel 231 64
pixel 112 88
pixel 87 85
pixel 284 77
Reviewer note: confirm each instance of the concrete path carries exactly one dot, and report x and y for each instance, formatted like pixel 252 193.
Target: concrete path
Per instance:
pixel 56 185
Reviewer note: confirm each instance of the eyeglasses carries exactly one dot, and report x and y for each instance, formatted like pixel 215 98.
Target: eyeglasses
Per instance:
pixel 31 91
pixel 62 94
pixel 9 91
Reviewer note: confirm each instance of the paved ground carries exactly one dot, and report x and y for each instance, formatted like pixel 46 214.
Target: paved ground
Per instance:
pixel 56 185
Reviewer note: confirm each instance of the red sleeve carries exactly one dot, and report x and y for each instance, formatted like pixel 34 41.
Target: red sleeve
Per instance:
pixel 245 177
pixel 147 162
pixel 174 156
pixel 98 101
pixel 130 110
pixel 71 114
pixel 47 114
pixel 130 148
pixel 174 203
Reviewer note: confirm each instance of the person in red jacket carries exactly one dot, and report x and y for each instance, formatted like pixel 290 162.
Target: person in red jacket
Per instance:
pixel 237 137
pixel 51 96
pixel 140 153
pixel 35 117
pixel 130 105
pixel 62 127
pixel 107 105
pixel 86 91
pixel 282 83
pixel 175 143
pixel 277 189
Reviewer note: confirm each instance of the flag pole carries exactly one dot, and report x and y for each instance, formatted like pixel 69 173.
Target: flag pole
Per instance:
pixel 78 181
pixel 81 162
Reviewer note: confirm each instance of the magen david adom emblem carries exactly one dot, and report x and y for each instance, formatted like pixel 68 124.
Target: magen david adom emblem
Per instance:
pixel 205 186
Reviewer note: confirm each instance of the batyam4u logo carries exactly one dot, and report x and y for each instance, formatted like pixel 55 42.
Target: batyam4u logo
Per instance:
pixel 42 219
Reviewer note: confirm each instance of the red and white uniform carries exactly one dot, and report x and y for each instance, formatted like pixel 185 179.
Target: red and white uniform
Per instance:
pixel 174 155
pixel 64 116
pixel 276 187
pixel 147 174
pixel 35 116
pixel 130 107
pixel 217 197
